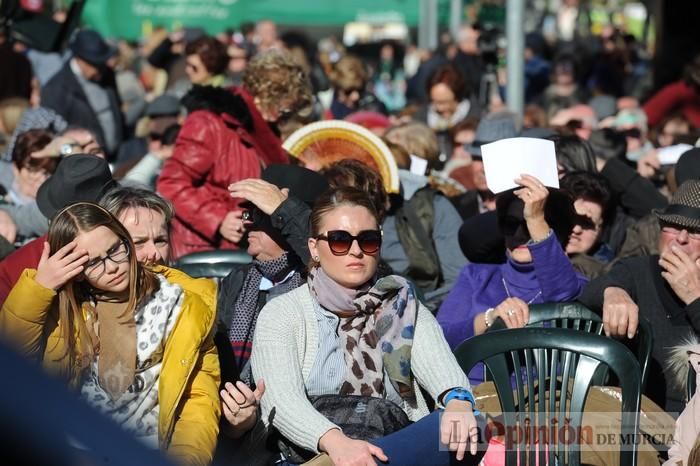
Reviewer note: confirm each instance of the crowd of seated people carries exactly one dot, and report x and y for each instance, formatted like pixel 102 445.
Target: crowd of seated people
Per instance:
pixel 354 298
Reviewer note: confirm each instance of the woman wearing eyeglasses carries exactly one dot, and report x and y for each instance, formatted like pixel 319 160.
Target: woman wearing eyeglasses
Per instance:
pixel 347 334
pixel 136 347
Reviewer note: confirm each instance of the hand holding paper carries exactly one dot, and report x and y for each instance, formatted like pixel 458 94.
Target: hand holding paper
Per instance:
pixel 534 196
pixel 508 159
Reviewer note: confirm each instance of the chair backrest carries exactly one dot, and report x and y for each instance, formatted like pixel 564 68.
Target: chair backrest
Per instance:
pixel 576 316
pixel 212 264
pixel 560 361
pixel 573 316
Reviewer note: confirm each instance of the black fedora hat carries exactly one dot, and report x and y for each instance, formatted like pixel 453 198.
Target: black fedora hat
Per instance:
pixel 304 184
pixel 91 47
pixel 79 177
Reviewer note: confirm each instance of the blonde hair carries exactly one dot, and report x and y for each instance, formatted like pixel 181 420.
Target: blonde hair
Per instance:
pixel 349 73
pixel 275 78
pixel 11 111
pixel 416 139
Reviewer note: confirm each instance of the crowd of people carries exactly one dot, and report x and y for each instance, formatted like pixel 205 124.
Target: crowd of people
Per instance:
pixel 119 159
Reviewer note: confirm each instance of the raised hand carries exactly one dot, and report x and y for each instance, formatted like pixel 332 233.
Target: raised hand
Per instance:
pixel 534 195
pixel 681 273
pixel 266 196
pixel 56 270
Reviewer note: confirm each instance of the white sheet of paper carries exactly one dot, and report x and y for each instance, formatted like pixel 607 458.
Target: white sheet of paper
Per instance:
pixel 507 159
pixel 670 155
pixel 418 165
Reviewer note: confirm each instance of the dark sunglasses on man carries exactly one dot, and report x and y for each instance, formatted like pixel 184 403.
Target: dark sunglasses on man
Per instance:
pixel 340 241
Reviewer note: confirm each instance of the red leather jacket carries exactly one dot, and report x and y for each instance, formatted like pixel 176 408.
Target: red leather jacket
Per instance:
pixel 677 96
pixel 213 150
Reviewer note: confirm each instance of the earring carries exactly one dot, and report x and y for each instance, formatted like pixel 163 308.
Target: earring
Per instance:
pixel 316 259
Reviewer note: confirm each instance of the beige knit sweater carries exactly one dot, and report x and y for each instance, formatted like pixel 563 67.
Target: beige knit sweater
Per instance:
pixel 285 345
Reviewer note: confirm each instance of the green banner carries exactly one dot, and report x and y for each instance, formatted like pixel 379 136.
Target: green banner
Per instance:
pixel 132 19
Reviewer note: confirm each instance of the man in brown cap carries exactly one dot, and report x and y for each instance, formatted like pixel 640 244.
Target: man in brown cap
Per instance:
pixel 664 289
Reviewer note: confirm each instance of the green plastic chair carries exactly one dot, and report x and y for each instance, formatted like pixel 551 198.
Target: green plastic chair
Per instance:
pixel 211 264
pixel 576 316
pixel 555 359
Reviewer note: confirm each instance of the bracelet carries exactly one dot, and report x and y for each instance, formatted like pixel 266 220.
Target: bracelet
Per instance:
pixel 488 322
pixel 461 394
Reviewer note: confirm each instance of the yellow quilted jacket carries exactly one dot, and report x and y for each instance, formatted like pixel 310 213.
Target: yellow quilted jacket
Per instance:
pixel 189 379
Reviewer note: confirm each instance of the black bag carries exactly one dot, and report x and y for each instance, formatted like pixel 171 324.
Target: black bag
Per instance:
pixel 360 417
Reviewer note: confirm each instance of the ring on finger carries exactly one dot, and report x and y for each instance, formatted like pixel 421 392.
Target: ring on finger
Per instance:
pixel 510 312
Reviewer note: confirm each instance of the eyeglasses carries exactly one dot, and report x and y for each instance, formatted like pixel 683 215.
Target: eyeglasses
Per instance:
pixel 675 230
pixel 634 133
pixel 340 241
pixel 585 222
pixel 118 254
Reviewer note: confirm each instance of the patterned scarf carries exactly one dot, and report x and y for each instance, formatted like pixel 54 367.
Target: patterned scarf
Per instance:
pixel 245 313
pixel 376 330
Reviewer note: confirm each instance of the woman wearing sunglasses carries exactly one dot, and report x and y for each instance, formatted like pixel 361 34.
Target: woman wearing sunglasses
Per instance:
pixel 536 224
pixel 595 209
pixel 136 347
pixel 347 333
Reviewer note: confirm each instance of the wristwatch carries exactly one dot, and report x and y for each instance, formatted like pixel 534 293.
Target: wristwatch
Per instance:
pixel 461 394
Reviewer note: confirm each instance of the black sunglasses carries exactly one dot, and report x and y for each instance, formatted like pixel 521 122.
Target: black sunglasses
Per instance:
pixel 585 222
pixel 634 133
pixel 340 241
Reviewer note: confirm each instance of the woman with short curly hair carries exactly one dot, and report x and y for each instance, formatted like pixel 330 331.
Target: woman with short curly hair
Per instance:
pixel 228 136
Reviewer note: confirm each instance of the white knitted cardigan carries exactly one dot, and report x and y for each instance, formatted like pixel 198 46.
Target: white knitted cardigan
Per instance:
pixel 284 350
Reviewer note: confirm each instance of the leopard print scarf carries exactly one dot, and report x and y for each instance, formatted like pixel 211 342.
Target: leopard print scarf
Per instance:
pixel 376 329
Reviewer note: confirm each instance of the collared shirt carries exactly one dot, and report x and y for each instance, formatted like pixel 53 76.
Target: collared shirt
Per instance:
pixel 267 284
